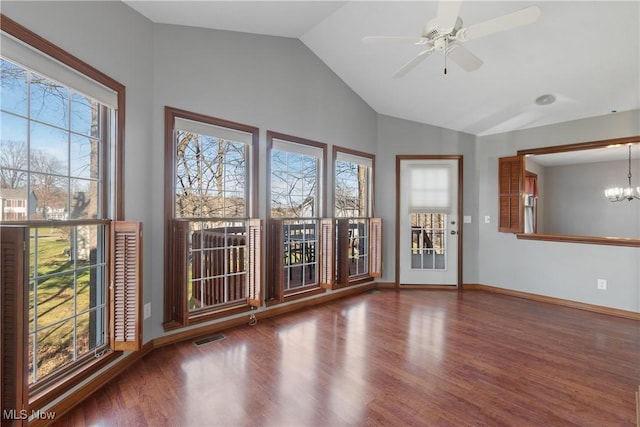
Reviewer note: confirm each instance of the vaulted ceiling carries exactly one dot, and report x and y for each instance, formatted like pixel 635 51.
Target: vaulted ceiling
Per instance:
pixel 585 54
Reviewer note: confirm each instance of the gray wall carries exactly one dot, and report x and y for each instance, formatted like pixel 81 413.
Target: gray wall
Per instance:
pixel 575 202
pixel 273 83
pixel 561 270
pixel 398 136
pixel 270 82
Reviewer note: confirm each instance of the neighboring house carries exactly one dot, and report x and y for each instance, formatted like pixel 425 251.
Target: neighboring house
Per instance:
pixel 14 203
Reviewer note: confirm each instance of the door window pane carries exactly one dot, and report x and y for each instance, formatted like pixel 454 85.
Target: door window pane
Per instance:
pixel 428 241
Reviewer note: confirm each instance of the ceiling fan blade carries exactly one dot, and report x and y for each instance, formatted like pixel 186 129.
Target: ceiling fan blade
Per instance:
pixel 413 63
pixel 393 40
pixel 448 14
pixel 465 59
pixel 501 23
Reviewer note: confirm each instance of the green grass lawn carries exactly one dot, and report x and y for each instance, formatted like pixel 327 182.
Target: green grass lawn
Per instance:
pixel 59 302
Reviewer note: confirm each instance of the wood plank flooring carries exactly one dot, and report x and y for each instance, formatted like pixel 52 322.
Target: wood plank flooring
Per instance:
pixel 414 357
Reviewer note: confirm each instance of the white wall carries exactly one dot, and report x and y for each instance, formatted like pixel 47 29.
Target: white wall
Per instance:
pixel 561 270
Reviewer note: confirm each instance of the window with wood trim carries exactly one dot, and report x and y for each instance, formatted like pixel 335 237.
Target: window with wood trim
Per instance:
pixel 353 207
pixel 209 197
pixel 511 175
pixel 61 166
pixel 296 173
pixel 353 178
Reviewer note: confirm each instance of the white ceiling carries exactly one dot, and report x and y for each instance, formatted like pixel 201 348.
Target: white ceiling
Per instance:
pixel 587 54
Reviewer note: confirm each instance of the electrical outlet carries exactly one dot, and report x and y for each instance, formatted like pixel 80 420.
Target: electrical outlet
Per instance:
pixel 602 284
pixel 467 219
pixel 147 310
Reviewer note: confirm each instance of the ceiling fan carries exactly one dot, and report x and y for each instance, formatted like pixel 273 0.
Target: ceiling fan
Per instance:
pixel 446 33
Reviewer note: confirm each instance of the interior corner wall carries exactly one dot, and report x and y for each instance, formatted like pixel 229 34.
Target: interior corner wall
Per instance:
pixel 561 270
pixel 398 136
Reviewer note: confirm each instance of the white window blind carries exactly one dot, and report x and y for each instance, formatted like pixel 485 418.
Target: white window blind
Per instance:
pixel 352 158
pixel 292 147
pixel 429 189
pixel 36 61
pixel 207 129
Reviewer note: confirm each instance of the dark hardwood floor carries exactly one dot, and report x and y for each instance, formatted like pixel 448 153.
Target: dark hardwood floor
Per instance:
pixel 415 357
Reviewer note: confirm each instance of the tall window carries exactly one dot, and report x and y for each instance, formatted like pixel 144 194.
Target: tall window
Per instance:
pixel 59 173
pixel 52 149
pixel 353 181
pixel 353 176
pixel 296 204
pixel 210 194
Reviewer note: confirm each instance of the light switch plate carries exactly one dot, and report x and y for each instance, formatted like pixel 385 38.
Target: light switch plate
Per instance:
pixel 147 310
pixel 467 219
pixel 487 219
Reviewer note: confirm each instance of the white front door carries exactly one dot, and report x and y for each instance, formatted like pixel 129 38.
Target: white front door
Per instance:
pixel 428 226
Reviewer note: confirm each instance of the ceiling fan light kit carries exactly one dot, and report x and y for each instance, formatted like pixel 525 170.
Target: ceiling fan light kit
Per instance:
pixel 446 33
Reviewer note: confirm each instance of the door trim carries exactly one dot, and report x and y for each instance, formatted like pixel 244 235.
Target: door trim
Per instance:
pixel 401 157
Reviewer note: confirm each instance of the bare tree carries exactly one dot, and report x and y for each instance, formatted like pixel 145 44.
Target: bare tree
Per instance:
pixel 210 176
pixel 351 189
pixel 46 182
pixel 293 185
pixel 13 164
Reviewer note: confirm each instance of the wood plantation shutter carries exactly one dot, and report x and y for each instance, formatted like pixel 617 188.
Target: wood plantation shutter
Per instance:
pixel 327 255
pixel 126 285
pixel 276 261
pixel 343 261
pixel 254 265
pixel 176 311
pixel 13 326
pixel 375 247
pixel 511 172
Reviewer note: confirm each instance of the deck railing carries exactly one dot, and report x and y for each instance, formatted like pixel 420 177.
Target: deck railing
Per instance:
pixel 219 266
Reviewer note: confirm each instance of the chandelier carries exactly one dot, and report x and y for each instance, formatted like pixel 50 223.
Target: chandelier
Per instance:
pixel 617 194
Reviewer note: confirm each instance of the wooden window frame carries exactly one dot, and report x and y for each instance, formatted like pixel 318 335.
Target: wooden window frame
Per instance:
pixel 69 378
pixel 372 186
pixel 343 278
pixel 274 292
pixel 176 311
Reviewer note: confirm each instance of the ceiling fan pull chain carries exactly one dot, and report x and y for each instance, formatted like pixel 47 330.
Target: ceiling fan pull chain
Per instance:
pixel 446 40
